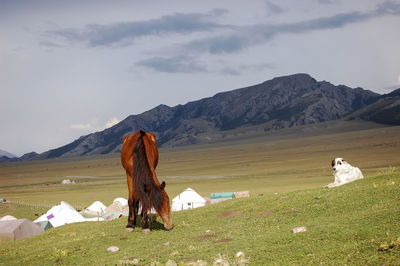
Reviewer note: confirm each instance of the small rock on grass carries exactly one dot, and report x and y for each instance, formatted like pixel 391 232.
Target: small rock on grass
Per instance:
pixel 197 263
pixel 239 254
pixel 171 263
pixel 113 249
pixel 299 229
pixel 220 261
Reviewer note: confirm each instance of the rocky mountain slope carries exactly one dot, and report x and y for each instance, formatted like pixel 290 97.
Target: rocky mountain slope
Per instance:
pixel 386 110
pixel 278 103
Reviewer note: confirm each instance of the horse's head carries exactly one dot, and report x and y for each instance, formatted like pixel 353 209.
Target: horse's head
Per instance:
pixel 161 200
pixel 165 212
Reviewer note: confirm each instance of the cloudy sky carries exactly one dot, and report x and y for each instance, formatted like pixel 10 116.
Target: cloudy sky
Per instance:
pixel 70 68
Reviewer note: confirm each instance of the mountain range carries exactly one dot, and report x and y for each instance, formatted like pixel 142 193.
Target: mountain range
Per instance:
pixel 282 102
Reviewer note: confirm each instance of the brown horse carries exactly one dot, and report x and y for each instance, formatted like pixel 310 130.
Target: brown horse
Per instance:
pixel 139 157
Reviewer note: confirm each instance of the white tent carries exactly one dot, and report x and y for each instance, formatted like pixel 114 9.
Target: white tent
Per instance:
pixel 97 206
pixel 67 182
pixel 8 218
pixel 18 229
pixel 124 202
pixel 188 199
pixel 61 214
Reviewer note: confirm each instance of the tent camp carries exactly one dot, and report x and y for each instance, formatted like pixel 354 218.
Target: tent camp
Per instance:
pixel 59 215
pixel 18 229
pixel 188 199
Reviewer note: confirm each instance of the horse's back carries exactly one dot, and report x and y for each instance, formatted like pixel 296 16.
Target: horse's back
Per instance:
pixel 128 145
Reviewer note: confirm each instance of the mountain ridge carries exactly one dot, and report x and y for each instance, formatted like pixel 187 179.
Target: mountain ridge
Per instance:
pixel 281 102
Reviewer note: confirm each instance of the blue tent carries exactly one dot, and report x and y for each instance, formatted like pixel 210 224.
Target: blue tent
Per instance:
pixel 219 195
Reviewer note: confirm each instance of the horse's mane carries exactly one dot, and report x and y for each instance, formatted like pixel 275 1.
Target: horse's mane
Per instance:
pixel 143 178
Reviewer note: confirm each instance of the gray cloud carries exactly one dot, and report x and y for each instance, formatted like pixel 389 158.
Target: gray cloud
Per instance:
pixel 326 2
pixel 229 70
pixel 50 44
pixel 388 7
pixel 181 64
pixel 231 40
pixel 273 8
pixel 241 38
pixel 234 39
pixel 126 32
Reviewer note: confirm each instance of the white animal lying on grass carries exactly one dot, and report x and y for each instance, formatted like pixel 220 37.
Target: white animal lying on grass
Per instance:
pixel 344 173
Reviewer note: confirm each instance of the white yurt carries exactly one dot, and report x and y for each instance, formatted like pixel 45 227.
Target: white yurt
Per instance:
pixel 97 207
pixel 124 202
pixel 188 199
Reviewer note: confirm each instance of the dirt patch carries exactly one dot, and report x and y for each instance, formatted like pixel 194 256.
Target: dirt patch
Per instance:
pixel 205 237
pixel 223 240
pixel 230 214
pixel 129 261
pixel 268 213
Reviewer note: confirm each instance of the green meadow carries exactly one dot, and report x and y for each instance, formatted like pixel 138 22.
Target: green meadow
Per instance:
pixel 285 172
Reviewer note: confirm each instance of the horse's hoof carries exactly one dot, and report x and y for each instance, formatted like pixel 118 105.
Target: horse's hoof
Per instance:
pixel 146 231
pixel 129 229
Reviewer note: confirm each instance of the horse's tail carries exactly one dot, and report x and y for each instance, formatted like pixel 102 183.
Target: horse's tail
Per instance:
pixel 143 181
pixel 141 171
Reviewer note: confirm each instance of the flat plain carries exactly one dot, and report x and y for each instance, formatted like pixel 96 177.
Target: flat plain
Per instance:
pixel 278 161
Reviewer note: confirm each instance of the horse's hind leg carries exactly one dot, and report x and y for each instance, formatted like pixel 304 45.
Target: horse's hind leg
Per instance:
pixel 132 217
pixel 145 221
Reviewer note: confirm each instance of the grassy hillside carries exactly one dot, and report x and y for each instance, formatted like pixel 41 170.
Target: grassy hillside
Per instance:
pixel 358 223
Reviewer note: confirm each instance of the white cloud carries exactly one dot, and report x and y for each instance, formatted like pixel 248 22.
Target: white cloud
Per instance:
pixel 398 79
pixel 112 122
pixel 81 126
pixel 95 125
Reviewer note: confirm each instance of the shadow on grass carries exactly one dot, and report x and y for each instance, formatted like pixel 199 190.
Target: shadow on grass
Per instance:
pixel 154 224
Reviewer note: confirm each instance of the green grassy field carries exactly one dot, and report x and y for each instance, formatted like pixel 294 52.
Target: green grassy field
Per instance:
pixel 355 224
pixel 345 225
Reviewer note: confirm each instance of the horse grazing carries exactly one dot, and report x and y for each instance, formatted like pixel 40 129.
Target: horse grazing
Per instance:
pixel 139 157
